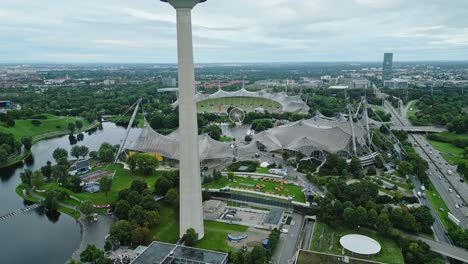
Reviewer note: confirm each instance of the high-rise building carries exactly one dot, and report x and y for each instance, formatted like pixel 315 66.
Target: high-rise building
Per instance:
pixel 387 66
pixel 191 209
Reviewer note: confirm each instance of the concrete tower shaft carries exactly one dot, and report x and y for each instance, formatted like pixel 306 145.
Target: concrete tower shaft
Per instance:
pixel 191 211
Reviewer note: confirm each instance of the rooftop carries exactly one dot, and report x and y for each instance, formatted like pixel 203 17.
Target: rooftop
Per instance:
pixel 359 244
pixel 159 253
pixel 274 217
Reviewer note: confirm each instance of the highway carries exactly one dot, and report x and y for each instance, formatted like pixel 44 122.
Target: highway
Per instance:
pixel 438 171
pixel 438 228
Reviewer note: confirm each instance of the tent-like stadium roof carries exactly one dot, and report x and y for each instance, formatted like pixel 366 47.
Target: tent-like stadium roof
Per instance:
pixel 317 133
pixel 288 103
pixel 151 141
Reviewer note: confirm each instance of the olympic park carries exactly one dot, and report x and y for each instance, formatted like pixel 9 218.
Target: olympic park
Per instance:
pixel 271 187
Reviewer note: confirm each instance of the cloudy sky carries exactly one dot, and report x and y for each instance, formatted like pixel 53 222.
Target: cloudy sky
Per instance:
pixel 234 30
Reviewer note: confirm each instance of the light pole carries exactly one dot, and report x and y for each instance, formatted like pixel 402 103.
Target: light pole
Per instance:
pixel 191 211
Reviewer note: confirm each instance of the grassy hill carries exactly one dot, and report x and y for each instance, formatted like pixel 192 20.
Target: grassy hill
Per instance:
pixel 53 124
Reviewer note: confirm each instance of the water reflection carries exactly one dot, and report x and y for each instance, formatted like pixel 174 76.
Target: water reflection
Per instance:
pixel 49 238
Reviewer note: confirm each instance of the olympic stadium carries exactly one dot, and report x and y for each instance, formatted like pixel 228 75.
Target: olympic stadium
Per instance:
pixel 220 101
pixel 314 138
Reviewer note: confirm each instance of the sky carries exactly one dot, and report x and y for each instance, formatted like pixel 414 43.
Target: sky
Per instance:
pixel 144 31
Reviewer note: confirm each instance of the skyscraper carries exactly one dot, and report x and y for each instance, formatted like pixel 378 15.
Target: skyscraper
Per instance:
pixel 191 210
pixel 387 66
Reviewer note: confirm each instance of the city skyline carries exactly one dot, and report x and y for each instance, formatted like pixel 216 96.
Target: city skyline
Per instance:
pixel 264 31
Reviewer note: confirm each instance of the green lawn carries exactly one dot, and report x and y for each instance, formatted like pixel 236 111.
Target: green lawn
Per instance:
pixel 122 179
pixel 168 230
pixel 449 152
pixel 262 170
pixel 433 196
pixel 53 124
pixel 390 252
pixel 248 104
pixel 412 109
pixel 289 189
pixel 446 147
pixel 216 235
pixel 68 211
pixel 225 139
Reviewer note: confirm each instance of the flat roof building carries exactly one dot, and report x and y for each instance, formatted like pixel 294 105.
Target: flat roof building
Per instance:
pixel 162 253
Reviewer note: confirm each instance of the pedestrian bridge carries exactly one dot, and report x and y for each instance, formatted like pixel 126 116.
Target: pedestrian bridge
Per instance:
pixel 420 129
pixel 19 211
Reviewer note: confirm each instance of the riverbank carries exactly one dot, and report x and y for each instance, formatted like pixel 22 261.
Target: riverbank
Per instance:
pixel 50 135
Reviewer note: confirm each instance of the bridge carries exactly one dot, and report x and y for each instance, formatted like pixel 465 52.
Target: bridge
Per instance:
pixel 19 211
pixel 445 249
pixel 420 129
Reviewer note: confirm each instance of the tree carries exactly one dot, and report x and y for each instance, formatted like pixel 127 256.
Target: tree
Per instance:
pixel 152 219
pixel 106 152
pixel 26 177
pixel 142 162
pixel 84 151
pixel 190 237
pixel 59 153
pixel 105 184
pixel 94 255
pixel 47 169
pixel 37 179
pixel 148 203
pixel 372 217
pixel 27 142
pixel 79 124
pixel 93 154
pixel 172 197
pixel 361 215
pixel 87 208
pixel 3 155
pixel 76 151
pixel 349 216
pixel 107 246
pixel 10 123
pixel 136 215
pixel 139 185
pixel 121 209
pixel 51 201
pixel 163 185
pixel 257 256
pixel 71 127
pixel 383 223
pixel 404 168
pixel 355 166
pixel 214 132
pixel 60 173
pixel 141 236
pixel 121 231
pixel 230 175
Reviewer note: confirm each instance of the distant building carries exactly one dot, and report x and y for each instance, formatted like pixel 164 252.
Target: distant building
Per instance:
pixel 159 253
pixel 108 82
pixel 396 83
pixel 339 87
pixel 360 84
pixel 7 104
pixel 387 66
pixel 169 82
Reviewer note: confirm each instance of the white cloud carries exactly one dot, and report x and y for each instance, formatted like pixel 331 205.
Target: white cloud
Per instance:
pixel 241 30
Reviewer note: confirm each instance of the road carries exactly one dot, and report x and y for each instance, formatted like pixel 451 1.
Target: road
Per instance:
pixel 438 172
pixel 445 249
pixel 308 230
pixel 438 227
pixel 288 242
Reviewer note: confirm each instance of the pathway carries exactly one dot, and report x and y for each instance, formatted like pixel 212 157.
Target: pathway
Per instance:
pixel 19 211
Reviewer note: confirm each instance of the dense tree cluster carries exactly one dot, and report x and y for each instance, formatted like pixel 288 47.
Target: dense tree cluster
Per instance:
pixel 137 212
pixel 8 146
pixel 144 163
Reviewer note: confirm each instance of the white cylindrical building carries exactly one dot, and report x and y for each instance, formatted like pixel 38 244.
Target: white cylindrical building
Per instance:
pixel 191 210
